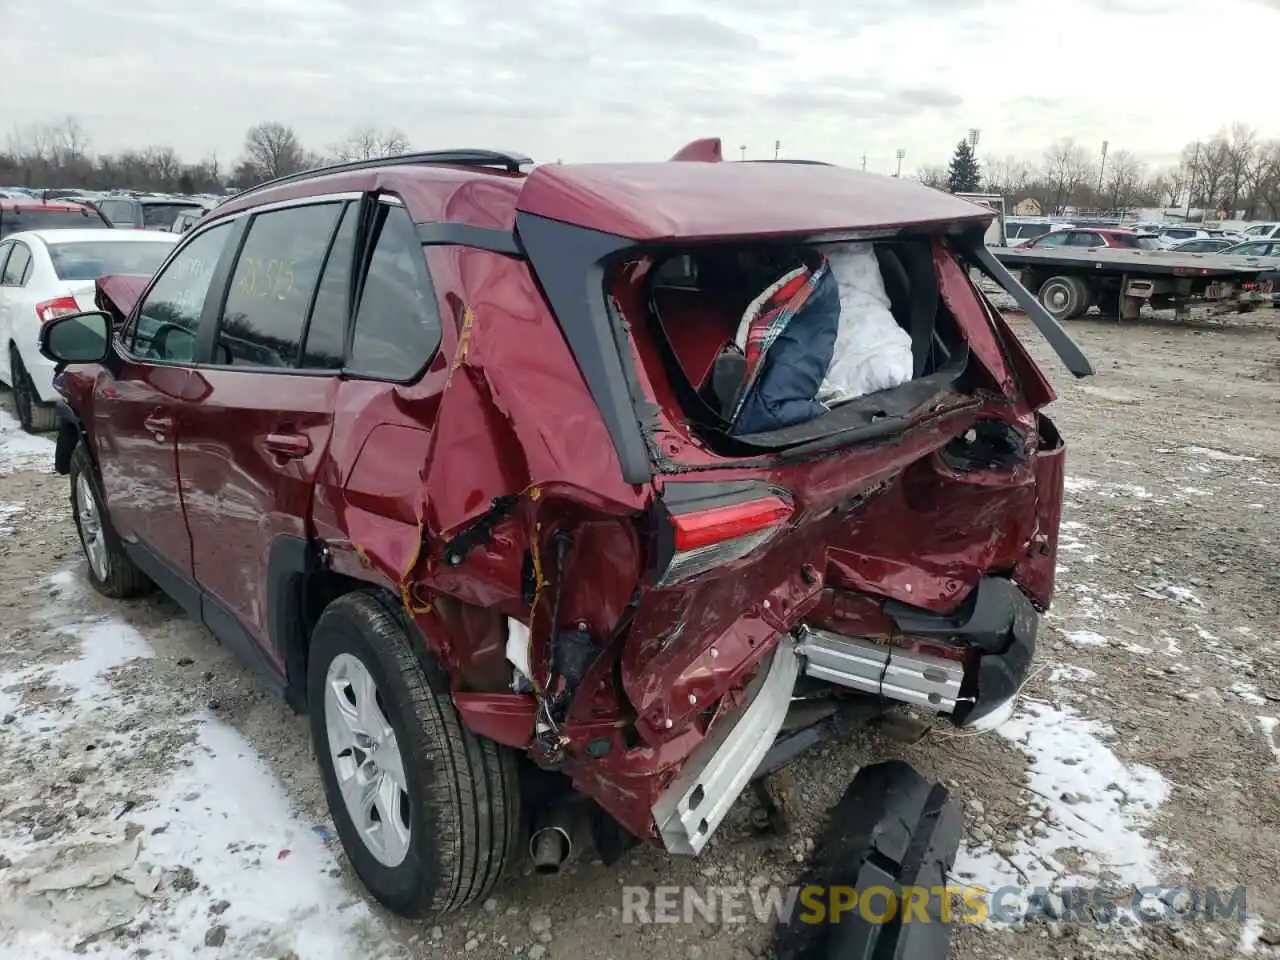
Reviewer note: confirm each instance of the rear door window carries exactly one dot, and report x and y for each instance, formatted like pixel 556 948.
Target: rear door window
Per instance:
pixel 272 285
pixel 117 211
pixel 18 269
pixel 1087 240
pixel 326 330
pixel 397 323
pixel 165 328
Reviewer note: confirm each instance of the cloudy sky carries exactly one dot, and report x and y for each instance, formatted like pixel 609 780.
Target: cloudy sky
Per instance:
pixel 603 80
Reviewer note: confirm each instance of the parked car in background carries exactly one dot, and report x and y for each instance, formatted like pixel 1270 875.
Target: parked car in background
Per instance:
pixel 609 589
pixel 1096 237
pixel 21 215
pixel 48 273
pixel 145 213
pixel 186 219
pixel 1020 230
pixel 1262 231
pixel 1202 245
pixel 1254 248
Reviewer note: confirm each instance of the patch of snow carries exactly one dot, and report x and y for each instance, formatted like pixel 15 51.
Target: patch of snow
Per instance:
pixel 1169 591
pixel 9 513
pixel 226 816
pixel 1220 455
pixel 1079 484
pixel 1086 638
pixel 1070 673
pixel 1090 805
pixel 1197 492
pixel 20 450
pixel 1171 647
pixel 1247 692
pixel 217 812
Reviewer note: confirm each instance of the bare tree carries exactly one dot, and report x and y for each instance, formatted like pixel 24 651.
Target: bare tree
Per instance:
pixel 935 177
pixel 1208 165
pixel 272 149
pixel 365 143
pixel 1124 183
pixel 1067 169
pixel 1009 177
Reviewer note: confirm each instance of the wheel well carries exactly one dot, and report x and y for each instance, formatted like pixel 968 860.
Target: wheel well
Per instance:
pixel 301 596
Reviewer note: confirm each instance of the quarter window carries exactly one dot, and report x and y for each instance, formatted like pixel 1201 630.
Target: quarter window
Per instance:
pixel 271 286
pixel 18 269
pixel 397 324
pixel 165 330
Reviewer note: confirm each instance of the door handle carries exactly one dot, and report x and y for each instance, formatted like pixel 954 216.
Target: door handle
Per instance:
pixel 292 445
pixel 158 424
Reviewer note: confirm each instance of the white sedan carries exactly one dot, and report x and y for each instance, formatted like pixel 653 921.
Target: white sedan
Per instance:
pixel 50 273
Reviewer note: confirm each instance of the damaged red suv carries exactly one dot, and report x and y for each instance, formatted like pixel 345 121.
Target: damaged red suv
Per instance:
pixel 462 457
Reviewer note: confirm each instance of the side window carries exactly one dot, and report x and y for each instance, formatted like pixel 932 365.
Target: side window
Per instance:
pixel 327 329
pixel 4 254
pixel 397 324
pixel 18 269
pixel 166 325
pixel 272 284
pixel 1086 240
pixel 117 211
pixel 1052 240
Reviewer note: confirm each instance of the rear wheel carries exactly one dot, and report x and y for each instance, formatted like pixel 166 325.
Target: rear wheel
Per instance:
pixel 428 813
pixel 35 417
pixel 111 572
pixel 1064 297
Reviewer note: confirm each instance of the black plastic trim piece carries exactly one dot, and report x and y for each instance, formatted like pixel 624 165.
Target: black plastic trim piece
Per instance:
pixel 70 431
pixel 1067 349
pixel 985 620
pixel 171 581
pixel 226 626
pixel 467 235
pixel 290 563
pixel 569 264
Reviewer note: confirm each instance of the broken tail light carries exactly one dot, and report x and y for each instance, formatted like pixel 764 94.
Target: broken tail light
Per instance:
pixel 61 307
pixel 709 525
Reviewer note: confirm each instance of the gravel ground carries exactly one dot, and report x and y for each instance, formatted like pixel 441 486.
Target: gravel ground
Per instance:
pixel 154 801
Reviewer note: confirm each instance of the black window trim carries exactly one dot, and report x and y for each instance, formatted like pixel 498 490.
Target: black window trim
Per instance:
pixel 130 325
pixel 211 317
pixel 26 270
pixel 6 247
pixel 364 256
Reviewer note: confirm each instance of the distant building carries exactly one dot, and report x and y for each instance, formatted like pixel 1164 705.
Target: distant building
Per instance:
pixel 1028 207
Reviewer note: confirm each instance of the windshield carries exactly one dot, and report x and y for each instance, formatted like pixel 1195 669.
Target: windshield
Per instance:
pixel 1136 243
pixel 91 259
pixel 1260 230
pixel 163 214
pixel 29 218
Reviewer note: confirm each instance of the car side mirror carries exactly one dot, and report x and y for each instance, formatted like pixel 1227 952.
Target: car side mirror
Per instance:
pixel 76 338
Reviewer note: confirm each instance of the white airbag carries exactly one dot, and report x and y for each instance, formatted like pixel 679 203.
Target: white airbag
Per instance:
pixel 872 352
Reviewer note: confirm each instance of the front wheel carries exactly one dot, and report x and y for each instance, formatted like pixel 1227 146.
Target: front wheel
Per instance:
pixel 111 572
pixel 428 813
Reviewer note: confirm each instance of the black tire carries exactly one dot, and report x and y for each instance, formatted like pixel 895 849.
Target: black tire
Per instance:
pixel 463 791
pixel 1064 297
pixel 122 577
pixel 34 416
pixel 891 829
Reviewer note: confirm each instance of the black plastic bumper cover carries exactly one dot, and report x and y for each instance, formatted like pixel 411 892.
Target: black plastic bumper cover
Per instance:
pixel 999 622
pixel 893 830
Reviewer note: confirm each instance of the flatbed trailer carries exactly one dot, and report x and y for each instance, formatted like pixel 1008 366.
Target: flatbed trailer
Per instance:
pixel 1068 281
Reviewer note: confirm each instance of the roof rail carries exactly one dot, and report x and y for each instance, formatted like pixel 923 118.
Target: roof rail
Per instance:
pixel 511 162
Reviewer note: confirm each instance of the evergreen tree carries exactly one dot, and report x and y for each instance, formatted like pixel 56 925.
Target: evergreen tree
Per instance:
pixel 963 175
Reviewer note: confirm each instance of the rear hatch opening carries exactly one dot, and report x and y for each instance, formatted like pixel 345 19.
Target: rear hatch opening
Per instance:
pixel 687 310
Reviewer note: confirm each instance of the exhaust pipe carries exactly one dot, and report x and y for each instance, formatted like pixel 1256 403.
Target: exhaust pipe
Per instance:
pixel 551 839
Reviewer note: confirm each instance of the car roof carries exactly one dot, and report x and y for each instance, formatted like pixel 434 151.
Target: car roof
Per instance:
pixel 64 205
pixel 666 200
pixel 692 200
pixel 71 235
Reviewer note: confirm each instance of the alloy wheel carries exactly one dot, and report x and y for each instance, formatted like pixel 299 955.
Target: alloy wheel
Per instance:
pixel 366 760
pixel 92 537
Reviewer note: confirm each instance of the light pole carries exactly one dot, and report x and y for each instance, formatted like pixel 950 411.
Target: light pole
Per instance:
pixel 901 154
pixel 743 150
pixel 974 132
pixel 777 145
pixel 1191 183
pixel 1102 167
